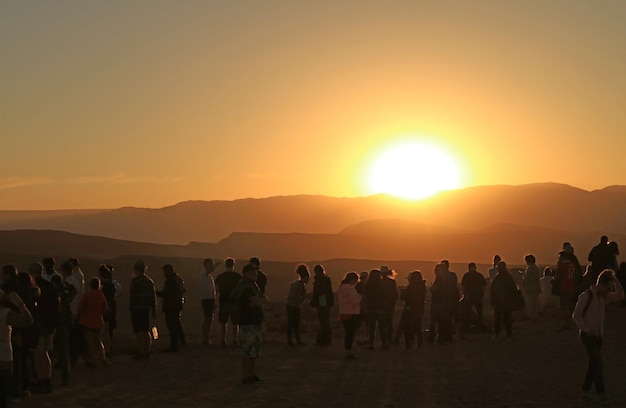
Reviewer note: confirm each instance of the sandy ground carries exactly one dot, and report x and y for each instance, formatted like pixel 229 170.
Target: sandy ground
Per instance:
pixel 541 367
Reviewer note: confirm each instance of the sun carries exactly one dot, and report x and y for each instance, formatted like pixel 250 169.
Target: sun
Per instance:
pixel 414 170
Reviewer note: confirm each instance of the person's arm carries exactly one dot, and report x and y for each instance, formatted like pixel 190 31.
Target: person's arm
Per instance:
pixel 21 318
pixel 154 302
pixel 618 294
pixel 577 316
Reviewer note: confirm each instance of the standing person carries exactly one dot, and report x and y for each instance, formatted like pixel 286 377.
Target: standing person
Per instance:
pixel 440 322
pixel 67 294
pixel 451 314
pixel 363 331
pixel 503 291
pixel 47 318
pixel 76 278
pixel 375 298
pixel 614 250
pixel 29 293
pixel 349 310
pixel 91 311
pixel 20 318
pixel 532 287
pixel 567 280
pixel 173 299
pixel 589 317
pixel 621 276
pixel 226 283
pixel 601 258
pixel 493 271
pixel 110 291
pixel 295 298
pixel 142 309
pixel 547 299
pixel 473 284
pixel 250 302
pixel 323 299
pixel 261 279
pixel 207 298
pixel 390 290
pixel 414 297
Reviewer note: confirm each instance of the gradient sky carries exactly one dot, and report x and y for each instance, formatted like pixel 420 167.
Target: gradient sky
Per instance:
pixel 148 103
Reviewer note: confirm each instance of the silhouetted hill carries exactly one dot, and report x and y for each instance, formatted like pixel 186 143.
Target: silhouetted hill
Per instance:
pixel 551 206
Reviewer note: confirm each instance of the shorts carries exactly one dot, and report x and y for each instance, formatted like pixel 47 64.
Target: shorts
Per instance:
pixel 44 343
pixel 251 340
pixel 140 319
pixel 228 310
pixel 208 308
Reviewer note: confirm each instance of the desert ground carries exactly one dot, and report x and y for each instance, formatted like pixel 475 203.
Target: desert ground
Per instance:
pixel 542 367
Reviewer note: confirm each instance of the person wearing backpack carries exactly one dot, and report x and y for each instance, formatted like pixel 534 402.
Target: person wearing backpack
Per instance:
pixel 295 298
pixel 589 317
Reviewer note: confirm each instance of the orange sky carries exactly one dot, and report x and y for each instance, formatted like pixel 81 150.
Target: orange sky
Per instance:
pixel 105 104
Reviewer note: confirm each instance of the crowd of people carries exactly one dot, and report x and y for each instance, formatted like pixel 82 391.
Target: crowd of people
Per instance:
pixel 49 313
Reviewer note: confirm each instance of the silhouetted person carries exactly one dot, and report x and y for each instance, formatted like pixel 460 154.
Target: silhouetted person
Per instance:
pixel 614 249
pixel 62 340
pixel 503 291
pixel 13 314
pixel 621 276
pixel 362 333
pixel 390 290
pixel 568 278
pixel 29 293
pixel 48 269
pixel 142 309
pixel 375 301
pixel 47 318
pixel 531 287
pixel 226 283
pixel 91 311
pixel 441 325
pixel 493 271
pixel 323 299
pixel 414 296
pixel 473 284
pixel 349 310
pixel 295 298
pixel 546 282
pixel 589 317
pixel 453 296
pixel 173 299
pixel 601 258
pixel 261 279
pixel 250 302
pixel 111 289
pixel 207 298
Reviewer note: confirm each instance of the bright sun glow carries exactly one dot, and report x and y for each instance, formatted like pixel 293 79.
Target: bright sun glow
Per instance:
pixel 414 171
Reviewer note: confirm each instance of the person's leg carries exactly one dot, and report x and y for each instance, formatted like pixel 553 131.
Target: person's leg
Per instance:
pixel 350 326
pixel 181 332
pixel 91 347
pixel 418 328
pixel 223 318
pixel 508 322
pixel 208 312
pixel 62 341
pixel 172 328
pixel 15 389
pixel 389 319
pixel 383 327
pixel 408 322
pixel 479 312
pixel 296 324
pixel 372 328
pixel 5 382
pixel 595 369
pixel 323 314
pixel 100 351
pixel 497 321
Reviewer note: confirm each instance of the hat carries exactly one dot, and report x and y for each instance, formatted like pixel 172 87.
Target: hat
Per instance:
pixel 140 265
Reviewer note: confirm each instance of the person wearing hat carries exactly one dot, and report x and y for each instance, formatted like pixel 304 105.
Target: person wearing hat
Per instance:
pixel 142 308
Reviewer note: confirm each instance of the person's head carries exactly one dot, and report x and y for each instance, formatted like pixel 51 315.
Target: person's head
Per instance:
pixel 250 271
pixel 471 267
pixel 530 259
pixel 209 265
pixel 319 270
pixel 567 247
pixel 25 279
pixel 440 269
pixel 229 264
pixel 35 270
pixel 75 262
pixel 256 262
pixel 105 272
pixel 496 260
pixel 140 267
pixel 446 263
pixel 613 247
pixel 384 270
pixel 9 273
pixel 94 284
pixel 48 264
pixel 415 277
pixel 605 282
pixel 66 269
pixel 351 278
pixel 303 272
pixel 604 240
pixel 547 271
pixel 363 276
pixel 375 276
pixel 168 270
pixel 502 268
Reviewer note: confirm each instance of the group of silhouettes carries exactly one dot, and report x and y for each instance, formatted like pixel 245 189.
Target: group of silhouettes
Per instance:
pixel 56 313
